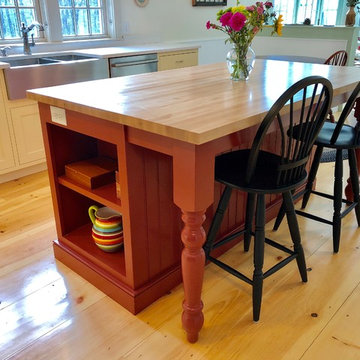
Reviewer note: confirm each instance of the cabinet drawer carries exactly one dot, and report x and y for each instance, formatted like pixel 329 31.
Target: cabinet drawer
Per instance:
pixel 176 60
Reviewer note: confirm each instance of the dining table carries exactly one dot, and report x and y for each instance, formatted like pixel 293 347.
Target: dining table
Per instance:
pixel 191 115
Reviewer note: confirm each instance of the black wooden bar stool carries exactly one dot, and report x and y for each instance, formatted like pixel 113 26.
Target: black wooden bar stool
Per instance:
pixel 259 172
pixel 338 136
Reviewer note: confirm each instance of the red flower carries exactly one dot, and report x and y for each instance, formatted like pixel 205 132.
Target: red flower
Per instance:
pixel 237 21
pixel 268 4
pixel 208 25
pixel 225 18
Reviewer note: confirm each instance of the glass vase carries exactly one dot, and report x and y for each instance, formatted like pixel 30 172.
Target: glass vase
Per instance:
pixel 240 62
pixel 350 16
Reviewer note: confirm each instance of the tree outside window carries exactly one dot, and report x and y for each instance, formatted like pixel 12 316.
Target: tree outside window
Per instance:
pixel 82 17
pixel 320 12
pixel 15 12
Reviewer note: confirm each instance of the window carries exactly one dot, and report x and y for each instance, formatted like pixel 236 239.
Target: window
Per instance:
pixel 320 12
pixel 82 17
pixel 13 13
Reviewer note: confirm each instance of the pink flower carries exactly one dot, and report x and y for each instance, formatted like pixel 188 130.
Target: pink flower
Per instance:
pixel 237 21
pixel 250 8
pixel 268 4
pixel 208 25
pixel 255 30
pixel 225 18
pixel 260 9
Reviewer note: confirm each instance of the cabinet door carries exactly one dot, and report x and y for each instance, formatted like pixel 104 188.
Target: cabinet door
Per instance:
pixel 176 60
pixel 27 131
pixel 6 152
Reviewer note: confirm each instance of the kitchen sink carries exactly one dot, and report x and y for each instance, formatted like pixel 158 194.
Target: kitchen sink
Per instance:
pixel 27 62
pixel 68 57
pixel 36 72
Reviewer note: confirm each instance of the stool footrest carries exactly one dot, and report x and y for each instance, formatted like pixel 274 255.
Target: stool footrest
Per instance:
pixel 278 246
pixel 329 196
pixel 351 206
pixel 230 270
pixel 267 273
pixel 227 239
pixel 279 265
pixel 313 217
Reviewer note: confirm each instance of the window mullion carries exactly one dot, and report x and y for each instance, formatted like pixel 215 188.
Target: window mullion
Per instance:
pixel 74 16
pixel 319 12
pixel 16 3
pixel 89 17
pixel 296 9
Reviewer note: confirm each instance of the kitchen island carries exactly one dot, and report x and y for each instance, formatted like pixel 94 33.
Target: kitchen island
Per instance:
pixel 164 130
pixel 21 146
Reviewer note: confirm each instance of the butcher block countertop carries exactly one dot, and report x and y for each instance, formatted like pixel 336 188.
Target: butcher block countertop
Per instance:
pixel 196 104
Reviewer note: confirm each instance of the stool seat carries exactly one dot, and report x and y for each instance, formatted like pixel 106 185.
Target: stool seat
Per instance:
pixel 347 139
pixel 265 179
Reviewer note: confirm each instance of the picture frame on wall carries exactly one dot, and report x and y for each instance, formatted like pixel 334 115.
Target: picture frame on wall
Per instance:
pixel 141 3
pixel 209 2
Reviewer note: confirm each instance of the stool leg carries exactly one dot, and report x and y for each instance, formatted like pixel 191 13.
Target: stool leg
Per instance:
pixel 250 208
pixel 295 234
pixel 279 217
pixel 259 242
pixel 354 182
pixel 216 222
pixel 312 175
pixel 337 200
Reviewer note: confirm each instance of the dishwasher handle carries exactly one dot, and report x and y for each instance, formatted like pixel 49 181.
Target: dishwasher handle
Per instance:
pixel 132 63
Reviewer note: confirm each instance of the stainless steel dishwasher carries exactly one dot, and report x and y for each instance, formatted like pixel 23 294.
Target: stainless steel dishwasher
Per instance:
pixel 131 65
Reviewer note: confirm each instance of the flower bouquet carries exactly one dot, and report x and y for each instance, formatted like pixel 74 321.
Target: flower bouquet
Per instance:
pixel 241 24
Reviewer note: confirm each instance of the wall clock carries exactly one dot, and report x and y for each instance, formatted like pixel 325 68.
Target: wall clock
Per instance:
pixel 141 3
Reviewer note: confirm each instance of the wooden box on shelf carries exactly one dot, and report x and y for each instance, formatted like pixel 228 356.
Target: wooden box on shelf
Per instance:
pixel 93 172
pixel 118 190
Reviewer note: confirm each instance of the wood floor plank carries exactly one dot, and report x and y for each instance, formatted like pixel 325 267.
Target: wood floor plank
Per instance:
pixel 293 314
pixel 340 339
pixel 41 311
pixel 51 312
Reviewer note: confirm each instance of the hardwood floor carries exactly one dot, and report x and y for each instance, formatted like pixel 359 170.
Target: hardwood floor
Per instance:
pixel 49 312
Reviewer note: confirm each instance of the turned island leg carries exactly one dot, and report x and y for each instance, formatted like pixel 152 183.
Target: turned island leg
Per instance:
pixel 348 188
pixel 193 170
pixel 193 262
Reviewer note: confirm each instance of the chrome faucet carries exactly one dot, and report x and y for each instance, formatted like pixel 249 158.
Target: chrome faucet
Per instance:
pixel 4 49
pixel 25 35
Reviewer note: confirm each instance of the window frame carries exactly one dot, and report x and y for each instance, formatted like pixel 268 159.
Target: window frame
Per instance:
pixel 86 36
pixel 340 12
pixel 37 17
pixel 48 14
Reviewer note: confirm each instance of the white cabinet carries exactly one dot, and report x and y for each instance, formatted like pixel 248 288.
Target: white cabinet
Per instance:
pixel 6 153
pixel 27 132
pixel 21 144
pixel 177 59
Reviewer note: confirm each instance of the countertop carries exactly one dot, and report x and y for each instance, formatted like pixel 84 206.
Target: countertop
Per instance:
pixel 187 104
pixel 109 52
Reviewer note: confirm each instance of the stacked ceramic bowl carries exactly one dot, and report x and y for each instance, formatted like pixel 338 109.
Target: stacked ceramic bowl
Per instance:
pixel 107 230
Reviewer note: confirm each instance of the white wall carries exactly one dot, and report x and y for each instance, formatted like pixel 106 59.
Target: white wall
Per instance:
pixel 173 20
pixel 178 20
pixel 170 20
